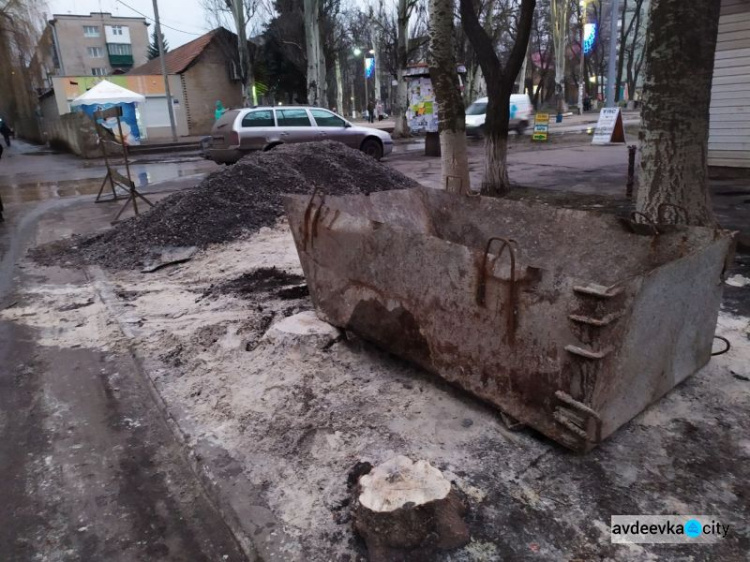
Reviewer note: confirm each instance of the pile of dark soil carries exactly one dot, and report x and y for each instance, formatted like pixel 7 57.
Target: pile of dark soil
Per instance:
pixel 286 286
pixel 240 199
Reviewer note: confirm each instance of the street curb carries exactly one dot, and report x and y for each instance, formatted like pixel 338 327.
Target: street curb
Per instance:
pixel 259 533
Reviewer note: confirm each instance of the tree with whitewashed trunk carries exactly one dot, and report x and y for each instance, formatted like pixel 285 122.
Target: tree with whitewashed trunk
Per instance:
pixel 500 79
pixel 560 22
pixel 676 98
pixel 316 63
pixel 339 85
pixel 403 15
pixel 451 115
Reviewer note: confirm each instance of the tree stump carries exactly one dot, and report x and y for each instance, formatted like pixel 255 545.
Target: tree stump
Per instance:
pixel 406 510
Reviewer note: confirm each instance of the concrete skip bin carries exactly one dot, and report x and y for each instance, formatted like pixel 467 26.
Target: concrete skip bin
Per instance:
pixel 570 321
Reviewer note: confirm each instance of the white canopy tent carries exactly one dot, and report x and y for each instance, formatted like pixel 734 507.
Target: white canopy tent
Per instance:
pixel 107 92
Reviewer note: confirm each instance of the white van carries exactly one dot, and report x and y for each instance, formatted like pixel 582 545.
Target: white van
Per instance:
pixel 521 111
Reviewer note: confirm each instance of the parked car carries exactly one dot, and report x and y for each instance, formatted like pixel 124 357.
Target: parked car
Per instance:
pixel 240 131
pixel 521 111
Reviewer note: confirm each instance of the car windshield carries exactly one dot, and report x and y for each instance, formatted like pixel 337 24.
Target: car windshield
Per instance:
pixel 477 108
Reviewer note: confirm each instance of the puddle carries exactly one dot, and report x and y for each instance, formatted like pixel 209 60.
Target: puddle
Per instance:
pixel 144 175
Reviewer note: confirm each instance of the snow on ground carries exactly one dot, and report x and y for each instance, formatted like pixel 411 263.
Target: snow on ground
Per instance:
pixel 298 413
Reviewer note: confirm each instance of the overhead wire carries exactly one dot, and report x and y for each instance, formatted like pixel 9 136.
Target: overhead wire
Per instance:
pixel 161 22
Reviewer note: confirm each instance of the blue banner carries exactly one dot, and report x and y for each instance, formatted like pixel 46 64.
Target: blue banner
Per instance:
pixel 369 67
pixel 589 36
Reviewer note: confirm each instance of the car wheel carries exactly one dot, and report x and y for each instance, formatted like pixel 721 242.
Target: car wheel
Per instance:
pixel 373 148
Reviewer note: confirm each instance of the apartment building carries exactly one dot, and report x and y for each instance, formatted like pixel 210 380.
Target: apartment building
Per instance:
pixel 98 44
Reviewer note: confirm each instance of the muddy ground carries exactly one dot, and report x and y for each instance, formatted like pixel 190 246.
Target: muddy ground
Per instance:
pixel 294 414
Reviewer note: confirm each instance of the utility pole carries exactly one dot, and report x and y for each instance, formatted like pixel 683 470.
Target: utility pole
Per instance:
pixel 160 43
pixel 612 62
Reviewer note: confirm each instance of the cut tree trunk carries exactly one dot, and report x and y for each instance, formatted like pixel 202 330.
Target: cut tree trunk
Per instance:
pixel 676 99
pixel 451 113
pixel 406 511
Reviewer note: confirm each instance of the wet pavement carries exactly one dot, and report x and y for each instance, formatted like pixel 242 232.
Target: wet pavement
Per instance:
pixel 91 467
pixel 30 173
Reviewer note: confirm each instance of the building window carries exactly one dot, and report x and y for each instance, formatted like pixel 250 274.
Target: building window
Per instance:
pixel 90 31
pixel 116 30
pixel 96 52
pixel 120 49
pixel 99 71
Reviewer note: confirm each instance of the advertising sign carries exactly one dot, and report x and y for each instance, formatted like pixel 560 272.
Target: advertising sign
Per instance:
pixel 609 129
pixel 130 131
pixel 541 127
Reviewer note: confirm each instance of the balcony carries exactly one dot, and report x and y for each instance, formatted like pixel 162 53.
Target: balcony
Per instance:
pixel 120 60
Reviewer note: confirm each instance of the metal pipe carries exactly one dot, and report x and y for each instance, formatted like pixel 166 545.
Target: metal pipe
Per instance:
pixel 631 171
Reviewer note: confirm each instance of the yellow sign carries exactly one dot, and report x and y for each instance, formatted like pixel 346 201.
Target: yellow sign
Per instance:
pixel 541 127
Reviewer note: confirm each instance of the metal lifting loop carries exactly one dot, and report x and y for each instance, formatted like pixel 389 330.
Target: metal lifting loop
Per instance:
pixel 484 274
pixel 723 351
pixel 306 219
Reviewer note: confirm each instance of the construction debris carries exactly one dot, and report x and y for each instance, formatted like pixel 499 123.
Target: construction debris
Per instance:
pixel 227 204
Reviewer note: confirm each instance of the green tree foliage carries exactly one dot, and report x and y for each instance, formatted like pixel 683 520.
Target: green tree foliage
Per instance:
pixel 153 48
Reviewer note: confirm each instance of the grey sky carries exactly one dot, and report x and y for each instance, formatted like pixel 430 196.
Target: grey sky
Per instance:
pixel 185 15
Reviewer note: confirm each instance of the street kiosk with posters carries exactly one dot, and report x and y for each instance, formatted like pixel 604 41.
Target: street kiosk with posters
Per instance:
pixel 609 129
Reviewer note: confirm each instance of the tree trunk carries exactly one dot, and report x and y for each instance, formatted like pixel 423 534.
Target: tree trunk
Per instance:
pixel 677 95
pixel 339 87
pixel 500 80
pixel 621 55
pixel 243 50
pixel 560 16
pixel 496 181
pixel 402 55
pixel 316 63
pixel 451 115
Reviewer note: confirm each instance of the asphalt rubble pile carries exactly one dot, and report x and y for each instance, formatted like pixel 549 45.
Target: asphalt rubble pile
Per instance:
pixel 228 204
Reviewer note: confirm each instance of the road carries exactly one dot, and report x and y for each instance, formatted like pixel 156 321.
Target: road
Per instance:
pixel 91 468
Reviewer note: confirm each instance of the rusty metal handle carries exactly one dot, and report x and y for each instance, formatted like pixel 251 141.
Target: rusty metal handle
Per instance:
pixel 483 274
pixel 306 218
pixel 660 212
pixel 507 243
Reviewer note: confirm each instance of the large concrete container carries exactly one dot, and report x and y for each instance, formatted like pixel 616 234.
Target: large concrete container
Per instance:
pixel 566 320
